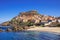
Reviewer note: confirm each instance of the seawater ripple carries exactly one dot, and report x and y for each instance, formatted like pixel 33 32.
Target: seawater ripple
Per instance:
pixel 28 35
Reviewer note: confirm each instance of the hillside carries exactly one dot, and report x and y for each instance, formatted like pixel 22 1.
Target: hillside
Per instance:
pixel 28 19
pixel 29 16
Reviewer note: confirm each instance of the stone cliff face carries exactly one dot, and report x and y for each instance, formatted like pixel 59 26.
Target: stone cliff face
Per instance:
pixel 29 16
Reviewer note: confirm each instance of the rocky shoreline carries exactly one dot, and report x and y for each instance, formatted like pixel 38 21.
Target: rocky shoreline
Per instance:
pixel 39 29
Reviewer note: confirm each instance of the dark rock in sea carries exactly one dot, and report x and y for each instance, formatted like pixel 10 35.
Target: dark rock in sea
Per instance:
pixel 1 30
pixel 8 30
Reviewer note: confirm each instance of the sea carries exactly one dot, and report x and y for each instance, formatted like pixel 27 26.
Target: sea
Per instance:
pixel 28 35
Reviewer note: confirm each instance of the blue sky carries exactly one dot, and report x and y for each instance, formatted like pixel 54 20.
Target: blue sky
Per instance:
pixel 11 8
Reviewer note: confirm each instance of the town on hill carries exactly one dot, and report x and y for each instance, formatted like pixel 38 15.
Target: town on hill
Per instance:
pixel 32 18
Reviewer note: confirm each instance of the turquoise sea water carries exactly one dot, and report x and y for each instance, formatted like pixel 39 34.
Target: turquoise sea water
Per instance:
pixel 28 35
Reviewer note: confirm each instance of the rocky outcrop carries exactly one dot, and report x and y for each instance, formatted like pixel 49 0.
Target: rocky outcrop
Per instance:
pixel 5 24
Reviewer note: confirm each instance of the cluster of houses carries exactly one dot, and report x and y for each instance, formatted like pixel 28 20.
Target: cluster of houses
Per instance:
pixel 36 18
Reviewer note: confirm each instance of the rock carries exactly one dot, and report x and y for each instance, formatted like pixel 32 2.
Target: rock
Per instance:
pixel 1 30
pixel 8 30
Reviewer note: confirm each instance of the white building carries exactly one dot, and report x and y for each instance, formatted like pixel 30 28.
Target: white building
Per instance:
pixel 59 20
